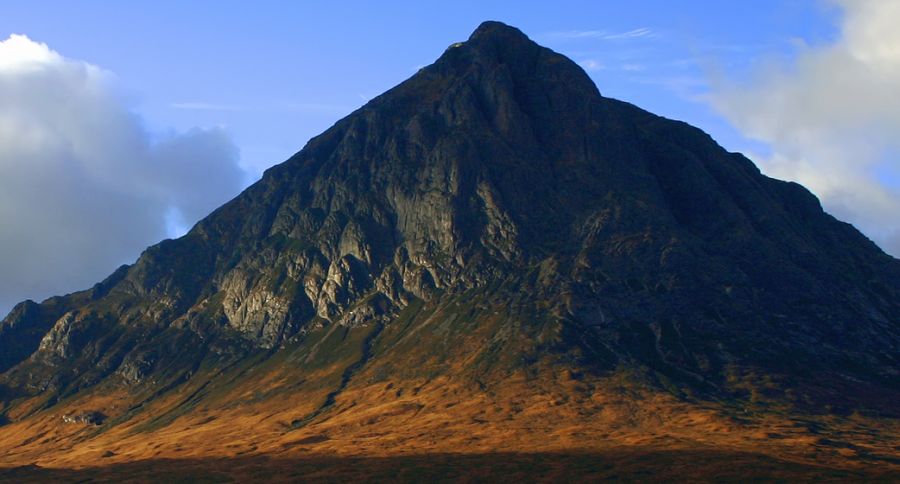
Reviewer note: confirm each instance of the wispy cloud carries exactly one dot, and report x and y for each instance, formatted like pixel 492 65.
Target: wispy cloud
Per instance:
pixel 737 48
pixel 687 87
pixel 312 107
pixel 592 65
pixel 280 107
pixel 202 106
pixel 603 34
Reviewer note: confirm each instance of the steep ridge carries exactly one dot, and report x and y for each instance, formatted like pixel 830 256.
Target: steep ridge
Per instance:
pixel 491 230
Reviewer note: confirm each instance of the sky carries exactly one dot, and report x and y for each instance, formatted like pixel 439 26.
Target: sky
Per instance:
pixel 123 123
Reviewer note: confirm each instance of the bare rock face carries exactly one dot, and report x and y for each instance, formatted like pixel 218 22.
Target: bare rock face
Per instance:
pixel 498 173
pixel 85 418
pixel 58 340
pixel 137 366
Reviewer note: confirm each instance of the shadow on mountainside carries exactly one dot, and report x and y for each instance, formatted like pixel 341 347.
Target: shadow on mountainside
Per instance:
pixel 629 465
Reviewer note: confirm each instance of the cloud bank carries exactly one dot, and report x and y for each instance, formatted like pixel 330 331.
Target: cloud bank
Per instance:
pixel 832 118
pixel 84 186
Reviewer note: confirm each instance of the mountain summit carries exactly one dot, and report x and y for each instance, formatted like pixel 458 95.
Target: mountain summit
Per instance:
pixel 489 251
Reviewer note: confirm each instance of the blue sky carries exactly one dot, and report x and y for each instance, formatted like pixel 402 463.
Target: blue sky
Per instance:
pixel 141 101
pixel 276 73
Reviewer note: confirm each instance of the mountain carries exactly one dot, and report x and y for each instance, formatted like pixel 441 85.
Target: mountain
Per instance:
pixel 489 259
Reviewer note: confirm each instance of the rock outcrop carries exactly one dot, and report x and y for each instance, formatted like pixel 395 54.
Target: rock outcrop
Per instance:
pixel 85 418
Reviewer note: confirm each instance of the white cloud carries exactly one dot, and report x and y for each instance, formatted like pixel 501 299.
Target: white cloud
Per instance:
pixel 83 186
pixel 18 52
pixel 832 118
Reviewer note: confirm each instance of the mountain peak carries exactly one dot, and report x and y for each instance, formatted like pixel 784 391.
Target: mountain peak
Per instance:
pixel 491 44
pixel 502 43
pixel 500 70
pixel 496 31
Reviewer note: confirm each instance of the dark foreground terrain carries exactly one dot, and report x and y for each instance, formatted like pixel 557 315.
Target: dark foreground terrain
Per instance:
pixel 627 465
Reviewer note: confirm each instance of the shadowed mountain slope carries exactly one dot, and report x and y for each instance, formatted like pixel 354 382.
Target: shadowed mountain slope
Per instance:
pixel 490 241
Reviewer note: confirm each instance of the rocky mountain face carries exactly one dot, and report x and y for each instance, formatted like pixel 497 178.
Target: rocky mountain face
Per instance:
pixel 492 215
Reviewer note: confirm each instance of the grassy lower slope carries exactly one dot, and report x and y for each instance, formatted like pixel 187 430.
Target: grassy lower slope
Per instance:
pixel 449 389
